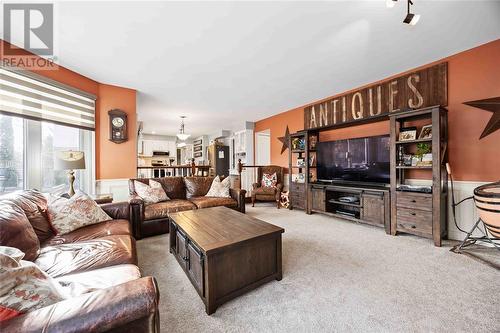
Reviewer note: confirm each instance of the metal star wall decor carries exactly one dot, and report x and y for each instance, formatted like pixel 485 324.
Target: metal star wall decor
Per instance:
pixel 492 105
pixel 285 140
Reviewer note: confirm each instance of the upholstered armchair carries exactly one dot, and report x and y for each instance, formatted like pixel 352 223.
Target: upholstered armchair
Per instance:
pixel 266 193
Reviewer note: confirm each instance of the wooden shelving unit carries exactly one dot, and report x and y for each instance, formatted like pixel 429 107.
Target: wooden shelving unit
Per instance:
pixel 422 214
pixel 297 190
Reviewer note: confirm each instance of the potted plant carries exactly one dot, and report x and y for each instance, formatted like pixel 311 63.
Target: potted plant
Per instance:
pixel 424 154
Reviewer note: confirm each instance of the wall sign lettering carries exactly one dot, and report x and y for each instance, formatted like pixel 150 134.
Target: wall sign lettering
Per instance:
pixel 423 88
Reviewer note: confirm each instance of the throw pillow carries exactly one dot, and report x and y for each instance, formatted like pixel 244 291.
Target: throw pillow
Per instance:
pixel 269 180
pixel 219 189
pixel 24 286
pixel 151 193
pixel 67 215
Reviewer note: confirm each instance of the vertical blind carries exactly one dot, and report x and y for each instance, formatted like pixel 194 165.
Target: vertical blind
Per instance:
pixel 27 95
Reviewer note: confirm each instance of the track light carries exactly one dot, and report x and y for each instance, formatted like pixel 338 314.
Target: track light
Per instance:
pixel 390 3
pixel 410 18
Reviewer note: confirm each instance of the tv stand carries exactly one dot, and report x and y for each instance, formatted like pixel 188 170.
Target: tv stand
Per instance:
pixel 360 203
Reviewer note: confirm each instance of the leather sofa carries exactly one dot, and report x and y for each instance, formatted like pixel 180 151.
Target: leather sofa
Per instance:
pixel 100 259
pixel 185 193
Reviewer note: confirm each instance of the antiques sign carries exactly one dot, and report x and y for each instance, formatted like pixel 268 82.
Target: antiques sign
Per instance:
pixel 423 88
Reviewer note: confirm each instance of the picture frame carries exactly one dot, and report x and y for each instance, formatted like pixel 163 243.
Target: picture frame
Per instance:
pixel 197 142
pixel 407 133
pixel 426 132
pixel 313 141
pixel 301 162
pixel 197 148
pixel 198 154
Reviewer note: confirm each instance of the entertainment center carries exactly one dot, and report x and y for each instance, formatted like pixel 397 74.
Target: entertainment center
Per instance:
pixel 366 180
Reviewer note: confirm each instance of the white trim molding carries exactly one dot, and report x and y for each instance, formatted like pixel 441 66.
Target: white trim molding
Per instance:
pixel 117 187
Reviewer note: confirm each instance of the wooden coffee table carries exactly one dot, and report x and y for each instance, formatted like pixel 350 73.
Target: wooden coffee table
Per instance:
pixel 225 253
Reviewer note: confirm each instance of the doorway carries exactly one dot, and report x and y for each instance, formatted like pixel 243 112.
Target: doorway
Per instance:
pixel 263 147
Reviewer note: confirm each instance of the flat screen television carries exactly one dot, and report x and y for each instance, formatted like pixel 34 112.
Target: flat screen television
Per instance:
pixel 360 160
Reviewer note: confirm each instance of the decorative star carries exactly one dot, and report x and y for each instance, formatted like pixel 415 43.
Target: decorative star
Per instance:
pixel 285 140
pixel 492 105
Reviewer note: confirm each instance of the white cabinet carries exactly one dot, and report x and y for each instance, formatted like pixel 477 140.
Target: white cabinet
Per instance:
pixel 158 145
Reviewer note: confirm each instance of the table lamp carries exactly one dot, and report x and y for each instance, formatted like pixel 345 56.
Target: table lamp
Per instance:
pixel 70 160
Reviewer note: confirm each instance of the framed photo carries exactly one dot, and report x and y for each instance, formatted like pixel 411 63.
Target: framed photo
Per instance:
pixel 197 142
pixel 313 140
pixel 198 148
pixel 312 161
pixel 407 133
pixel 301 162
pixel 426 132
pixel 198 154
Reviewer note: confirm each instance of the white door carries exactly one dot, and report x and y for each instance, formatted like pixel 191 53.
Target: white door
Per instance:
pixel 263 148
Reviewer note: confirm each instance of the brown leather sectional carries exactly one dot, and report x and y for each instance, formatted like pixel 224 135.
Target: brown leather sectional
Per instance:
pixel 101 259
pixel 185 193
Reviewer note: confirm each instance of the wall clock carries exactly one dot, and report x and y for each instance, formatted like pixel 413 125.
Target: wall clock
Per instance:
pixel 117 126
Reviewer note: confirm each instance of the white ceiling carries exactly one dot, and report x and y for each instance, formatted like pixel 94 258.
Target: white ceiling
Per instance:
pixel 221 63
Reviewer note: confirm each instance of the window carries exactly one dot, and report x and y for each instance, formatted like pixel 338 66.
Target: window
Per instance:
pixel 11 153
pixel 27 152
pixel 38 118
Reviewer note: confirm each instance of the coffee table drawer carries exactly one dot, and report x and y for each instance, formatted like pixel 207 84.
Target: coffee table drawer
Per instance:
pixel 180 245
pixel 195 267
pixel 414 221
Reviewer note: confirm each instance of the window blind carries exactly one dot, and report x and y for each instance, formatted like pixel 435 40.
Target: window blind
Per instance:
pixel 28 95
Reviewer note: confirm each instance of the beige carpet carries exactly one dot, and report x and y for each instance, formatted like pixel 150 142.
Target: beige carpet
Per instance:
pixel 338 276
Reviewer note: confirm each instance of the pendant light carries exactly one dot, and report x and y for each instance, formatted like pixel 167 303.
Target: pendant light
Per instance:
pixel 182 135
pixel 410 18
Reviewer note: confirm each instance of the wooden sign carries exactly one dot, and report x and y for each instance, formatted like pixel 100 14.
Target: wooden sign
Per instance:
pixel 423 88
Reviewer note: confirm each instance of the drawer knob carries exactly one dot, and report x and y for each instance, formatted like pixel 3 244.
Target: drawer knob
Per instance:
pixel 185 258
pixel 413 227
pixel 414 200
pixel 413 214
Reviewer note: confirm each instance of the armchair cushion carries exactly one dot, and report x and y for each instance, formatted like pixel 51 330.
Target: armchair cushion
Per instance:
pixel 162 209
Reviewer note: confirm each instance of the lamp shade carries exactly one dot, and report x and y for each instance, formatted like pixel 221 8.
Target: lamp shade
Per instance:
pixel 69 160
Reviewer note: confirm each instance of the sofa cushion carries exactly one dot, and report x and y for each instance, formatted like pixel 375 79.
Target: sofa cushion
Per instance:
pixel 174 186
pixel 85 282
pixel 93 231
pixel 24 286
pixel 34 205
pixel 206 202
pixel 67 215
pixel 197 186
pixel 265 190
pixel 16 230
pixel 162 209
pixel 69 258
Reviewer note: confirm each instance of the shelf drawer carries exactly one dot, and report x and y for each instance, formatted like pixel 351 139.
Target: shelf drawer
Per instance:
pixel 414 221
pixel 420 201
pixel 297 188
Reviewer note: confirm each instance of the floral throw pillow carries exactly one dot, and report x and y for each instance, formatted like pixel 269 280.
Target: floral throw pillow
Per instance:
pixel 151 193
pixel 67 215
pixel 25 287
pixel 269 180
pixel 219 189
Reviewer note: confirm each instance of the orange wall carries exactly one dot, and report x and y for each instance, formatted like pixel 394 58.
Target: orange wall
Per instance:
pixel 472 74
pixel 116 160
pixel 112 160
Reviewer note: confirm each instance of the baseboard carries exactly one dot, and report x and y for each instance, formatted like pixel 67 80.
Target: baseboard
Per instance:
pixel 117 187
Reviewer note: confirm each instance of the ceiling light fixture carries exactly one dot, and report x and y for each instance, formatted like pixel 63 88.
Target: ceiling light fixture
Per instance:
pixel 410 18
pixel 181 135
